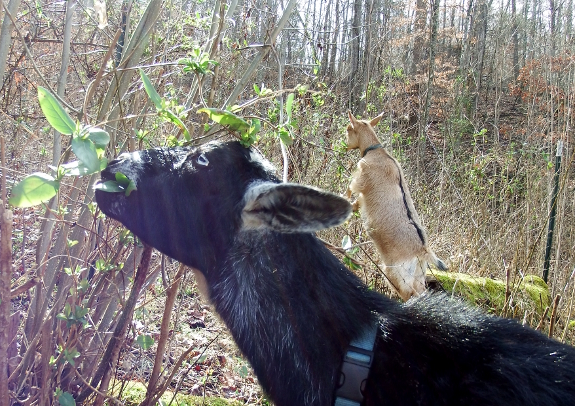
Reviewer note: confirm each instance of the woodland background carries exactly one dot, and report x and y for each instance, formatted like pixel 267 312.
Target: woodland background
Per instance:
pixel 476 95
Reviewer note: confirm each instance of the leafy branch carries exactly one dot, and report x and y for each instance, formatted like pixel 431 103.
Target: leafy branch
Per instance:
pixel 88 144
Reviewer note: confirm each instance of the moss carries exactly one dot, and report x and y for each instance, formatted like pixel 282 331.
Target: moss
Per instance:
pixel 135 392
pixel 530 295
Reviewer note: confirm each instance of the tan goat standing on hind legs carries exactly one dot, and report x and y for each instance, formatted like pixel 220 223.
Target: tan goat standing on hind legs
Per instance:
pixel 388 212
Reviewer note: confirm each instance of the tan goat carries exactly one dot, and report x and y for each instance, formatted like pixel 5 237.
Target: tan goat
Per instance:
pixel 388 212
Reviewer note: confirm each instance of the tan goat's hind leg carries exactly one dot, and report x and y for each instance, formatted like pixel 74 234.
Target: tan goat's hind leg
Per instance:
pixel 400 280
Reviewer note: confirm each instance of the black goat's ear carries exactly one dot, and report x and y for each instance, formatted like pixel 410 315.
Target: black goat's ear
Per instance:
pixel 291 208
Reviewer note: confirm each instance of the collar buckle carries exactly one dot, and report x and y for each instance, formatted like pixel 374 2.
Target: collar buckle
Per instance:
pixel 353 376
pixel 355 368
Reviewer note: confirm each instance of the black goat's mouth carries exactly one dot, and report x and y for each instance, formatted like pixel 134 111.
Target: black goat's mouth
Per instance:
pixel 115 182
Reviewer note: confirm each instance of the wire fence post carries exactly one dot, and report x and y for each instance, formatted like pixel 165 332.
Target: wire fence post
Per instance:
pixel 553 210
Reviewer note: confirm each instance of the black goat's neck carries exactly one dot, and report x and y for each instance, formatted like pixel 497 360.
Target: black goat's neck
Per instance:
pixel 292 308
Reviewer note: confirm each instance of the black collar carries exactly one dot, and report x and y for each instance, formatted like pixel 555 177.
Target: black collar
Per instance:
pixel 370 148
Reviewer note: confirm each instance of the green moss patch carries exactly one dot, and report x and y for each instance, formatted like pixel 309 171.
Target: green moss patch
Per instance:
pixel 530 295
pixel 134 393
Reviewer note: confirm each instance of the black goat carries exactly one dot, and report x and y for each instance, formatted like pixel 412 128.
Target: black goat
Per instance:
pixel 293 308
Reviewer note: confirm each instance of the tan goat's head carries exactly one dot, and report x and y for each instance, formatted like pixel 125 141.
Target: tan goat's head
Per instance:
pixel 360 131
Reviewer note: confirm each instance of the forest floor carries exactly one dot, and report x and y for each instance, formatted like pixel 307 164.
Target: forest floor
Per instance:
pixel 215 366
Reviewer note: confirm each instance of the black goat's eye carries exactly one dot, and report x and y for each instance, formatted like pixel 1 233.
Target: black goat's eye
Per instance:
pixel 202 160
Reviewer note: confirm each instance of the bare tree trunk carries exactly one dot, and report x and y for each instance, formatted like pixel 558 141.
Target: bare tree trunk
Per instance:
pixel 515 29
pixel 525 32
pixel 33 323
pixel 6 36
pixel 467 23
pixel 333 46
pixel 430 77
pixel 534 26
pixel 325 40
pixel 569 23
pixel 481 33
pixel 242 83
pixel 453 44
pixel 63 77
pixel 419 33
pixel 5 280
pixel 366 55
pixel 124 25
pixel 353 77
pixel 552 26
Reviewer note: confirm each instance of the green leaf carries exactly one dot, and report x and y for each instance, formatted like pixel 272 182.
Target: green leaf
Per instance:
pixel 65 399
pixel 33 190
pixel 176 120
pixel 152 94
pixel 109 186
pixel 86 152
pixel 144 341
pixel 121 184
pixel 350 264
pixel 121 178
pixel 346 242
pixel 125 183
pixel 224 117
pixel 130 188
pixel 255 127
pixel 81 311
pixel 98 136
pixel 250 136
pixel 77 168
pixel 55 113
pixel 289 104
pixel 257 89
pixel 285 136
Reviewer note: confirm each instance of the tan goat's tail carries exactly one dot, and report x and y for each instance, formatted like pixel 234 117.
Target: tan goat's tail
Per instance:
pixel 438 263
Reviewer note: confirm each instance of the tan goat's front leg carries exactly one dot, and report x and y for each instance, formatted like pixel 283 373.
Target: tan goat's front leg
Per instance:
pixel 355 203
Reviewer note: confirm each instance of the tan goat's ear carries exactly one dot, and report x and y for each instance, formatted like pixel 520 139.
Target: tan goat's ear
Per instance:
pixel 352 119
pixel 375 120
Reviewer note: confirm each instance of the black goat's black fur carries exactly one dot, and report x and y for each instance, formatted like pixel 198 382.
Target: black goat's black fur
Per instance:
pixel 293 308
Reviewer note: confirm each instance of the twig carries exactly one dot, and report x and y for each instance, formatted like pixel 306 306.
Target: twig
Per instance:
pixel 343 251
pixel 542 321
pixel 171 295
pixel 5 277
pixel 31 56
pixel 105 395
pixel 177 367
pixel 553 315
pixel 507 291
pixel 24 287
pixel 5 281
pixel 92 86
pixel 113 349
pixel 123 323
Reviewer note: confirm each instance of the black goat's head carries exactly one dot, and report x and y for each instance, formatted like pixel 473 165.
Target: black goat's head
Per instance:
pixel 190 203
